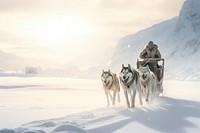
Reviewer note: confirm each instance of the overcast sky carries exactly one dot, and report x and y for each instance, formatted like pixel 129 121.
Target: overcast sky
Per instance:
pixel 62 29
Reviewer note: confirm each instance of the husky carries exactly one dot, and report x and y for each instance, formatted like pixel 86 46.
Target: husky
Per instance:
pixel 110 83
pixel 148 82
pixel 129 79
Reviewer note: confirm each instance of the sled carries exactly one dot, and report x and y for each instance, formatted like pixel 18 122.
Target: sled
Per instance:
pixel 156 63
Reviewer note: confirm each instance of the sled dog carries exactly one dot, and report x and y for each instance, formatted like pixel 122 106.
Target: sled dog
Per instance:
pixel 148 82
pixel 110 83
pixel 129 79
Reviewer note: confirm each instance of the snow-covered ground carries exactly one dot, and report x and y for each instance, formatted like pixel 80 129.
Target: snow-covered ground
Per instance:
pixel 50 105
pixel 27 99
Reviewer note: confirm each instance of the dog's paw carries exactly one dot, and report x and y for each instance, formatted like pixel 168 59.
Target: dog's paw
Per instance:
pixel 133 106
pixel 128 106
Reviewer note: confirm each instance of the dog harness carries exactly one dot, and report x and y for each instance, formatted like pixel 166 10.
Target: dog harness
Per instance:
pixel 144 83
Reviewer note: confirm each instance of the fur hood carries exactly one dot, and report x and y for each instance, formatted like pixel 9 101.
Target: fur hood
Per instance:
pixel 154 47
pixel 150 53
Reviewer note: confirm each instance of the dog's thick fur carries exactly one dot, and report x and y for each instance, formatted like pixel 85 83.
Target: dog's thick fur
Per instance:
pixel 129 79
pixel 110 83
pixel 148 82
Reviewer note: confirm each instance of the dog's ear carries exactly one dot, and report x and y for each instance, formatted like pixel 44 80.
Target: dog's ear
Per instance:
pixel 148 67
pixel 103 71
pixel 122 65
pixel 109 70
pixel 129 66
pixel 139 69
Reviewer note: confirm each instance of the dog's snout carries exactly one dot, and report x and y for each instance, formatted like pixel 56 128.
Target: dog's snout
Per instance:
pixel 143 75
pixel 124 77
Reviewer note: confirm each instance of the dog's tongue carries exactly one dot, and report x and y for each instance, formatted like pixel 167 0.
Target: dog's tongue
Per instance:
pixel 126 80
pixel 107 83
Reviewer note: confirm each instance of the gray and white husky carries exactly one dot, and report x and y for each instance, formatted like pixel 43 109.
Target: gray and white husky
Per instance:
pixel 148 82
pixel 110 83
pixel 129 79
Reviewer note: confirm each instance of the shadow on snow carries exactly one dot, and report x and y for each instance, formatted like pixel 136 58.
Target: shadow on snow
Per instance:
pixel 169 116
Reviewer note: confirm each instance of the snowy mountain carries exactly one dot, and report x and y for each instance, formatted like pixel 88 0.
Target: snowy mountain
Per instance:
pixel 89 64
pixel 13 65
pixel 10 61
pixel 178 40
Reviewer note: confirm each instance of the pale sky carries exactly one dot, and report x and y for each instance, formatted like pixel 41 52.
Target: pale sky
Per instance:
pixel 63 29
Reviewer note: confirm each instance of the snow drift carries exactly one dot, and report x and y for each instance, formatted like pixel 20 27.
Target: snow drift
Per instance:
pixel 175 112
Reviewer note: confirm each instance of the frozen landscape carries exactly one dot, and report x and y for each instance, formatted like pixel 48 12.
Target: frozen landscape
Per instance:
pixel 178 41
pixel 44 105
pixel 36 100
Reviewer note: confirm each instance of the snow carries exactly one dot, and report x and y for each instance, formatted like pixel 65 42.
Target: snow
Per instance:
pixel 178 41
pixel 63 105
pixel 51 105
pixel 11 62
pixel 32 98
